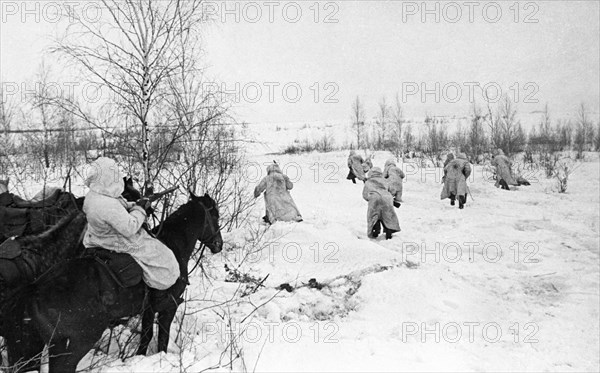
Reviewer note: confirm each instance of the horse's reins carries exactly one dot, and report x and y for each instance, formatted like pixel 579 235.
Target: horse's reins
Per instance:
pixel 202 245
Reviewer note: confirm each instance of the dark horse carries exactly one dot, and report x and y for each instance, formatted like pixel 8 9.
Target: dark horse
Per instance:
pixel 24 258
pixel 19 217
pixel 35 255
pixel 77 301
pixel 45 251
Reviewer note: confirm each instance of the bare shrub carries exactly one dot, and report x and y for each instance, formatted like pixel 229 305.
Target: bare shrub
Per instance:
pixel 584 132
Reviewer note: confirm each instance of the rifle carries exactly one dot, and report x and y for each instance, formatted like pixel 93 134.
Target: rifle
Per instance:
pixel 471 194
pixel 149 210
pixel 155 196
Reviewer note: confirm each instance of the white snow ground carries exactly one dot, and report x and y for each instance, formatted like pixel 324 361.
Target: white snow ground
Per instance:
pixel 394 305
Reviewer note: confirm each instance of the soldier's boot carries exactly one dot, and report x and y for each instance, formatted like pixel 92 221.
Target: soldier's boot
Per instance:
pixel 376 230
pixel 461 202
pixel 388 234
pixel 162 299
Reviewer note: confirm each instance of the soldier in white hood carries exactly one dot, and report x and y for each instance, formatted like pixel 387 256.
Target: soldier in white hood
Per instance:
pixel 394 176
pixel 456 173
pixel 278 201
pixel 115 224
pixel 381 205
pixel 503 170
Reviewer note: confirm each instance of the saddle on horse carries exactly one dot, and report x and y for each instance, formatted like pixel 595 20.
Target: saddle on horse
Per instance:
pixel 17 265
pixel 121 266
pixel 19 217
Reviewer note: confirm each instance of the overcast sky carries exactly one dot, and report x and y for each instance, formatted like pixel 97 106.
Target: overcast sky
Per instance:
pixel 547 51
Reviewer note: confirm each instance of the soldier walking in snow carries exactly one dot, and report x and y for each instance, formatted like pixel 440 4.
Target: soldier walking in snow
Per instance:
pixel 355 165
pixel 503 165
pixel 278 201
pixel 455 180
pixel 394 176
pixel 449 158
pixel 358 167
pixel 381 206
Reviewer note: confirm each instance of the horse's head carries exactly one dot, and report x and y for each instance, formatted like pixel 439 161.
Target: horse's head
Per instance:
pixel 210 231
pixel 129 192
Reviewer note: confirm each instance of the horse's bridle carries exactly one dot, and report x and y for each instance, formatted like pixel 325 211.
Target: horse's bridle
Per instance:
pixel 207 216
pixel 202 245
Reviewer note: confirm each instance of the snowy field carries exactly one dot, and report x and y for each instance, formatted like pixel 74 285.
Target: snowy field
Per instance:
pixel 510 283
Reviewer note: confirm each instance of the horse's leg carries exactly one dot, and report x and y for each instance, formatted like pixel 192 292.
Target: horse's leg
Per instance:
pixel 147 330
pixel 26 351
pixel 60 358
pixel 165 318
pixel 24 345
pixel 65 353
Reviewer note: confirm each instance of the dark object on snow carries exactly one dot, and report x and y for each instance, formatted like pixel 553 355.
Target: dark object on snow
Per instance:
pixel 285 287
pixel 503 184
pixel 396 204
pixel 312 283
pixel 522 181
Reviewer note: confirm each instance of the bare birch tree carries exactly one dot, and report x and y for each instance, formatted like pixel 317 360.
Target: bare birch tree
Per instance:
pixel 358 120
pixel 133 51
pixel 583 131
pixel 398 118
pixel 382 119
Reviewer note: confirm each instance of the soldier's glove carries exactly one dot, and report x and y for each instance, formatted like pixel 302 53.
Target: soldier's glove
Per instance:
pixel 143 203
